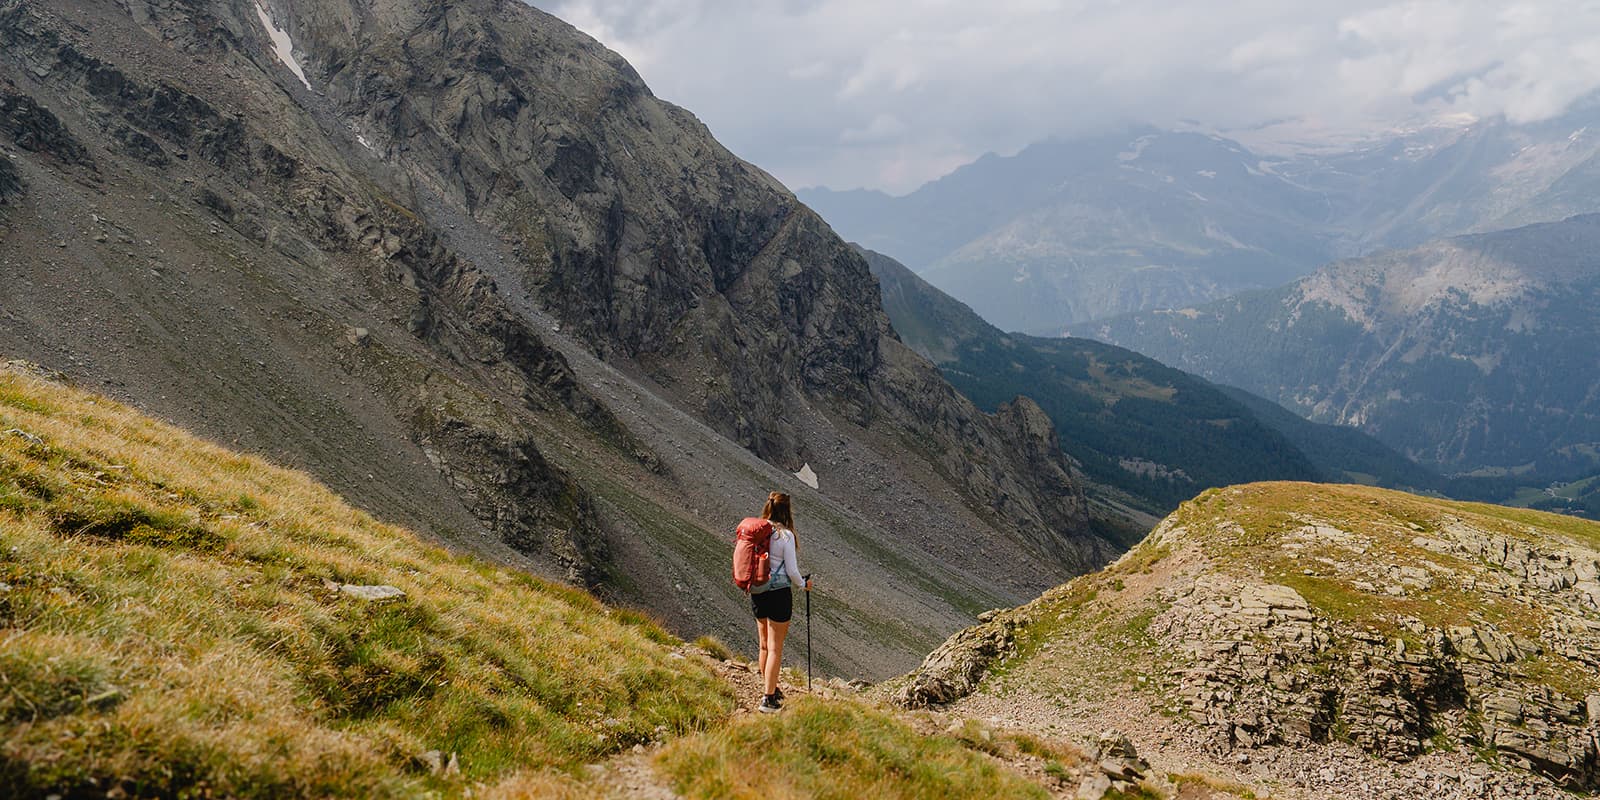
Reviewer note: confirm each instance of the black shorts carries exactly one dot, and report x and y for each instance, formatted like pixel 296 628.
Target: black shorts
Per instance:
pixel 774 604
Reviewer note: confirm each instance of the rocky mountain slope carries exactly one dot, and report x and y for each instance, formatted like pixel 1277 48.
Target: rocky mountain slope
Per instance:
pixel 1468 353
pixel 1145 434
pixel 1071 230
pixel 459 263
pixel 1435 182
pixel 1314 641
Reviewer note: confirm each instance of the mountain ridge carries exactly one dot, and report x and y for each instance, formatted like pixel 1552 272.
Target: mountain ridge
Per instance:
pixel 1468 353
pixel 477 277
pixel 1069 230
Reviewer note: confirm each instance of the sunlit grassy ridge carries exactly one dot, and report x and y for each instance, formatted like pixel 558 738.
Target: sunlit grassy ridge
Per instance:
pixel 1097 624
pixel 167 623
pixel 1242 530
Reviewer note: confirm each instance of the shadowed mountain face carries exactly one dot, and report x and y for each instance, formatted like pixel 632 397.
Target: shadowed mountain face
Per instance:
pixel 1469 353
pixel 1145 434
pixel 1072 230
pixel 476 278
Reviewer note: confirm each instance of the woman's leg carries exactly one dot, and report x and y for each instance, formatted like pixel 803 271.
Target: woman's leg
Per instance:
pixel 773 652
pixel 761 645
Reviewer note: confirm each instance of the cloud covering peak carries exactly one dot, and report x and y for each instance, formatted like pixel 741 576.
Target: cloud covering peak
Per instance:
pixel 888 95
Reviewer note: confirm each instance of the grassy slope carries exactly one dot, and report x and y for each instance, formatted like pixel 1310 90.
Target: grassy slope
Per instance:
pixel 1390 523
pixel 168 626
pixel 834 749
pixel 168 622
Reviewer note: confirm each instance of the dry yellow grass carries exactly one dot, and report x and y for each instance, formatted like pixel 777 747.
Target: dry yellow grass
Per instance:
pixel 167 626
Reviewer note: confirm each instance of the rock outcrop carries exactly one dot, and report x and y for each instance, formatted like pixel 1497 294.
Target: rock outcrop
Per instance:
pixel 958 666
pixel 1515 675
pixel 1299 615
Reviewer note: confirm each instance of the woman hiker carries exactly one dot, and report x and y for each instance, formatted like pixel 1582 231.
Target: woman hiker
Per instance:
pixel 773 602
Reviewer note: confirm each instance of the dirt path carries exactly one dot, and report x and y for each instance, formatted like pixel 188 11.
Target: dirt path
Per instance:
pixel 632 776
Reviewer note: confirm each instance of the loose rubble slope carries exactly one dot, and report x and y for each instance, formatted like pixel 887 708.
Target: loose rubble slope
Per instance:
pixel 1274 616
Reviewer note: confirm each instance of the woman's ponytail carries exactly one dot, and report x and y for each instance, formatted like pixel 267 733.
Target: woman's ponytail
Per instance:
pixel 779 510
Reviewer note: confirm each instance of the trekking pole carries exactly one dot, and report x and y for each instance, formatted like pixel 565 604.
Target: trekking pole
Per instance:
pixel 808 631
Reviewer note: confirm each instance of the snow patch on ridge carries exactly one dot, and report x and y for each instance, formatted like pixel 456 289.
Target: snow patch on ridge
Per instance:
pixel 281 44
pixel 807 475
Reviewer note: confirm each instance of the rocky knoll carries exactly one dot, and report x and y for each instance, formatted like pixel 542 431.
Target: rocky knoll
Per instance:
pixel 457 261
pixel 1272 616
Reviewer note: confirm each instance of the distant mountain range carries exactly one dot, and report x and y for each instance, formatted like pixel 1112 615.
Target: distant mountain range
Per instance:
pixel 1477 354
pixel 1147 435
pixel 1067 231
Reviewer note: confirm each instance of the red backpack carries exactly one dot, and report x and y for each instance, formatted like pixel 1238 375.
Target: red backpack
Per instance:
pixel 750 564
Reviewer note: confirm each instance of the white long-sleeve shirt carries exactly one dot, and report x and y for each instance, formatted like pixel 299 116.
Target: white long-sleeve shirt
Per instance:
pixel 785 562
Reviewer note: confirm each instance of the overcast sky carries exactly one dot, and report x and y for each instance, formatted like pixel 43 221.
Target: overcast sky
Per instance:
pixel 848 93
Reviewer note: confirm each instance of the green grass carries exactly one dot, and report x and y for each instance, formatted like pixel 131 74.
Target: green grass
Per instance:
pixel 832 749
pixel 168 625
pixel 714 647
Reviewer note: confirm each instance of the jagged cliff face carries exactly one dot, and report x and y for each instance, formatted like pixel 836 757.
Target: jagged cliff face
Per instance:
pixel 476 277
pixel 1282 615
pixel 205 234
pixel 641 234
pixel 629 222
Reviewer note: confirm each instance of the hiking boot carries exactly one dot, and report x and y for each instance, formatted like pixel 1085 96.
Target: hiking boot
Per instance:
pixel 769 704
pixel 777 695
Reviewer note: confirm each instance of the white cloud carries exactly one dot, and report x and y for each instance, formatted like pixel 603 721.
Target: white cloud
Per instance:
pixel 852 93
pixel 884 127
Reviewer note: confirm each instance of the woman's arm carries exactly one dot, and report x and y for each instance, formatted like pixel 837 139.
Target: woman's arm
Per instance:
pixel 791 561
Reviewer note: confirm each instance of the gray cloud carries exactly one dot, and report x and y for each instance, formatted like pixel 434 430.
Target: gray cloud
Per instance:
pixel 851 93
